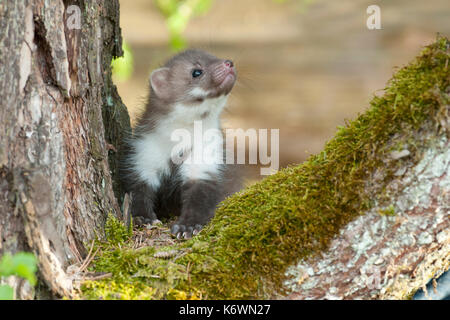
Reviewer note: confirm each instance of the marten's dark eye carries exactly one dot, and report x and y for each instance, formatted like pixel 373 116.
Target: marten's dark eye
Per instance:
pixel 197 73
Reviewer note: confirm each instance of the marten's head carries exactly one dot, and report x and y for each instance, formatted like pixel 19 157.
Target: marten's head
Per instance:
pixel 192 77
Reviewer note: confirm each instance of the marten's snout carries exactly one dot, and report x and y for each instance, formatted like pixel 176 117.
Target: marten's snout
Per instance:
pixel 229 64
pixel 224 72
pixel 229 67
pixel 224 76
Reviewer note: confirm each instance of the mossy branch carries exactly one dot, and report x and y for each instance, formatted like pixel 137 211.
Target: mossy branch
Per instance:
pixel 322 213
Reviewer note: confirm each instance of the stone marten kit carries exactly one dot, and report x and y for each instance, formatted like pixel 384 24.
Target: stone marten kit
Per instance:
pixel 188 179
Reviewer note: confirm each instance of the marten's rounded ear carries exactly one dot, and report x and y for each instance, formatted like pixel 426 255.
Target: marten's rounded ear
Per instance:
pixel 159 80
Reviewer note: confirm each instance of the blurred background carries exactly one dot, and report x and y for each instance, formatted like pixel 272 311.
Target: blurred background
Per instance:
pixel 304 66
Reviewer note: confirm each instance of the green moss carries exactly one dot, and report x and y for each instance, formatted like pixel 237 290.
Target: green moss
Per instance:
pixel 113 290
pixel 291 215
pixel 116 232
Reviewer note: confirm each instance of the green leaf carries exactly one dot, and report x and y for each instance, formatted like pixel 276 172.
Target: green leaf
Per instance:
pixel 202 6
pixel 25 266
pixel 6 265
pixel 22 264
pixel 167 7
pixel 177 42
pixel 123 67
pixel 6 292
pixel 177 22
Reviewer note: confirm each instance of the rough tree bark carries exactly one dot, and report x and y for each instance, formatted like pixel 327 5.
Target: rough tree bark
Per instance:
pixel 389 253
pixel 55 92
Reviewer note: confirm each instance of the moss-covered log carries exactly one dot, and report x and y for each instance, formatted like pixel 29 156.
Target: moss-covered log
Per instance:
pixel 368 217
pixel 55 81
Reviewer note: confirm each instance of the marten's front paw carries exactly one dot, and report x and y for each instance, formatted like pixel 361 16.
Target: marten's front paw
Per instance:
pixel 185 231
pixel 140 221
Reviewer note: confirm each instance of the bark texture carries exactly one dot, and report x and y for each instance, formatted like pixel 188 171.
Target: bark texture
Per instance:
pixel 55 88
pixel 389 252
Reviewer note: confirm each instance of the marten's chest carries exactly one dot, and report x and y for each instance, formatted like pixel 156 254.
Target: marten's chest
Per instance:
pixel 191 143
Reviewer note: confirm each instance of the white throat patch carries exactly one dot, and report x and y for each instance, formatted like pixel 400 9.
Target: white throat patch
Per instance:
pixel 153 150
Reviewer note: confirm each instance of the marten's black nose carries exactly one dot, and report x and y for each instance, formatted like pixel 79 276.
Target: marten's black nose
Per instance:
pixel 229 63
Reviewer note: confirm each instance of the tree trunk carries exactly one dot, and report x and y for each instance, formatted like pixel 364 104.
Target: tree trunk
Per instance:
pixel 55 88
